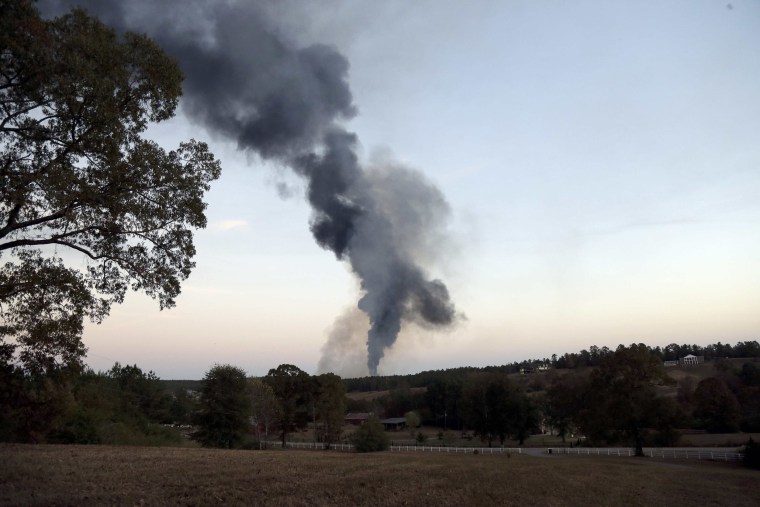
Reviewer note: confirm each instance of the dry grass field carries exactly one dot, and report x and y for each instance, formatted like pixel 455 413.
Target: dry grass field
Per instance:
pixel 100 475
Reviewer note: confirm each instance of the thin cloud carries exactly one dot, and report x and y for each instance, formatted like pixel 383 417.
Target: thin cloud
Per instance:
pixel 227 225
pixel 641 224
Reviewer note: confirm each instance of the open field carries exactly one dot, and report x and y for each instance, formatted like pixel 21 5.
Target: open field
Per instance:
pixel 96 475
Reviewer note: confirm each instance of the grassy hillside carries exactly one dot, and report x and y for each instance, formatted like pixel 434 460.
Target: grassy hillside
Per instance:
pixel 100 475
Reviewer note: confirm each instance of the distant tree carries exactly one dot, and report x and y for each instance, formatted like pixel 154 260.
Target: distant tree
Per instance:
pixel 412 421
pixel 399 401
pixel 224 408
pixel 265 407
pixel 292 388
pixel 141 393
pixel 523 416
pixel 477 410
pixel 716 407
pixel 78 179
pixel 371 436
pixel 330 406
pixel 621 396
pixel 441 397
pixel 563 401
pixel 494 408
pixel 747 349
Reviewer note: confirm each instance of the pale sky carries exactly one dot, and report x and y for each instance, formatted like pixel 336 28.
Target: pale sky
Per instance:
pixel 601 163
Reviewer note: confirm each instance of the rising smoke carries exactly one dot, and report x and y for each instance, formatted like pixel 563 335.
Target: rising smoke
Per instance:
pixel 244 81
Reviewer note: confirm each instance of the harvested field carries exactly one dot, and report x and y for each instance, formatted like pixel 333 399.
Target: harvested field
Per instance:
pixel 98 475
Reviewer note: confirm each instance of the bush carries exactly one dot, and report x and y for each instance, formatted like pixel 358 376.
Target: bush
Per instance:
pixel 79 428
pixel 371 437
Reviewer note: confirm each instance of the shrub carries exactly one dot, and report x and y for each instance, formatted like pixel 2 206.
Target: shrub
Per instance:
pixel 371 437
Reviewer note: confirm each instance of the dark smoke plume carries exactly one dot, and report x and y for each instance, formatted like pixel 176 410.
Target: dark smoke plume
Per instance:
pixel 244 81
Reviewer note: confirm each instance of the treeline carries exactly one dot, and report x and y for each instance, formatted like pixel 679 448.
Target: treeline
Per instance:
pixel 123 405
pixel 626 397
pixel 592 357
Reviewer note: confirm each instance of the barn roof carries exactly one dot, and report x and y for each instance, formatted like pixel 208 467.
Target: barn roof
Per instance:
pixel 357 415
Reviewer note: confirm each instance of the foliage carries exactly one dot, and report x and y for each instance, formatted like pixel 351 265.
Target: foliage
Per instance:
pixel 224 408
pixel 563 401
pixel 330 407
pixel 371 436
pixel 593 357
pixel 124 406
pixel 291 387
pixel 264 406
pixel 621 397
pixel 32 407
pixel 441 398
pixel 494 408
pixel 412 421
pixel 76 176
pixel 716 407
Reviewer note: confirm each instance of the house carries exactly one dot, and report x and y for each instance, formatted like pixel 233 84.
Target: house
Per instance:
pixel 357 418
pixel 691 359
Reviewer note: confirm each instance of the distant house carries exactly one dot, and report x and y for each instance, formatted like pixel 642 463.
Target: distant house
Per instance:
pixel 526 370
pixel 670 363
pixel 691 359
pixel 357 418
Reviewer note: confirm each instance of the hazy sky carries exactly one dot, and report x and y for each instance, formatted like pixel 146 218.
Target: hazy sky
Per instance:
pixel 600 160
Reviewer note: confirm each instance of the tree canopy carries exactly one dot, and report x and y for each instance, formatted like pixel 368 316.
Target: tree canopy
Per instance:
pixel 78 180
pixel 621 397
pixel 224 408
pixel 292 388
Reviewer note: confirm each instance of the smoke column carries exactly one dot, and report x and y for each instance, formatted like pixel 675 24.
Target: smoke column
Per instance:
pixel 245 82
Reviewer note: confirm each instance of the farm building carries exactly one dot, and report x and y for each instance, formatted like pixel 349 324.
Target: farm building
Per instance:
pixel 394 423
pixel 357 419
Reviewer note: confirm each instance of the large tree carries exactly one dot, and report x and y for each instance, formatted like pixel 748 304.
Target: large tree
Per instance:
pixel 292 386
pixel 88 207
pixel 223 417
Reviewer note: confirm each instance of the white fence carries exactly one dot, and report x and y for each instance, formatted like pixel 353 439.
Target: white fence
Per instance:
pixel 456 450
pixel 699 454
pixel 402 448
pixel 308 445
